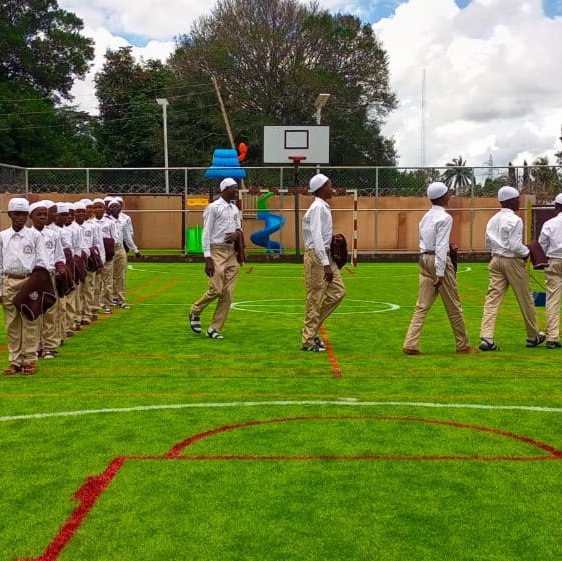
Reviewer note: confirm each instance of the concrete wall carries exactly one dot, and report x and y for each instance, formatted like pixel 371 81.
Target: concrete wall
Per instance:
pixel 384 223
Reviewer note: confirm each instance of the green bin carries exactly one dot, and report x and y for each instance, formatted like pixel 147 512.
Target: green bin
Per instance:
pixel 194 240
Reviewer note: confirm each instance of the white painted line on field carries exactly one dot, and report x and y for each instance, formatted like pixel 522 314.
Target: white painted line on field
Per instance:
pixel 345 402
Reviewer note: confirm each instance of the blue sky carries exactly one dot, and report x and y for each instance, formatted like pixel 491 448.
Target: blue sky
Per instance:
pixel 379 9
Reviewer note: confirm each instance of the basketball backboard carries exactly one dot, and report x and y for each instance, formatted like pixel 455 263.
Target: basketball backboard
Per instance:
pixel 281 142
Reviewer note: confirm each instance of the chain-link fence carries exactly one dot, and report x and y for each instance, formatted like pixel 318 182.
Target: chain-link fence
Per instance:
pixel 544 182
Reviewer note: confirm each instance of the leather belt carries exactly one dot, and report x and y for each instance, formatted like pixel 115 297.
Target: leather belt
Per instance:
pixel 17 277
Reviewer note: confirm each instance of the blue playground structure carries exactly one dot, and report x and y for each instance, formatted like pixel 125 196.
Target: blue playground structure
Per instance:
pixel 225 164
pixel 273 223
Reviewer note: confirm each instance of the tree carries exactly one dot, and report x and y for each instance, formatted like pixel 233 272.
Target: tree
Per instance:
pixel 41 54
pixel 287 53
pixel 545 182
pixel 458 177
pixel 130 120
pixel 41 46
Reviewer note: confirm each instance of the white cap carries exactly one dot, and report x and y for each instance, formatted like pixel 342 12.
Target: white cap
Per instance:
pixel 113 202
pixel 79 206
pixel 226 183
pixel 38 204
pixel 506 193
pixel 96 201
pixel 87 202
pixel 558 199
pixel 18 204
pixel 436 189
pixel 47 203
pixel 63 207
pixel 318 181
pixel 107 198
pixel 119 199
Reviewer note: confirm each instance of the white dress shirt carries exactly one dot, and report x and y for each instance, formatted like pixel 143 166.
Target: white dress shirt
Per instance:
pixel 53 245
pixel 124 229
pixel 21 252
pixel 435 231
pixel 550 237
pixel 107 227
pixel 317 229
pixel 220 218
pixel 97 237
pixel 504 234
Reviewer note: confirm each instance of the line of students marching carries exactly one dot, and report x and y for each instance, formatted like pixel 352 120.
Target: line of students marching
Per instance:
pixel 82 246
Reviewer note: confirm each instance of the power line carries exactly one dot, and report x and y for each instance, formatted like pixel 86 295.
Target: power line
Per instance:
pixel 22 100
pixel 118 119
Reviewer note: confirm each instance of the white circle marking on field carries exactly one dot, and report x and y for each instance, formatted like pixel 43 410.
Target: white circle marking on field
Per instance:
pixel 293 306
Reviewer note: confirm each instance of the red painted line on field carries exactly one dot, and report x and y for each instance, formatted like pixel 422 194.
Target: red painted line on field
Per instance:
pixel 180 447
pixel 162 288
pixel 336 368
pixel 87 496
pixel 94 486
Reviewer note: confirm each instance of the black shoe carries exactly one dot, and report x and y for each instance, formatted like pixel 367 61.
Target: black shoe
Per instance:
pixel 313 348
pixel 553 345
pixel 488 345
pixel 540 338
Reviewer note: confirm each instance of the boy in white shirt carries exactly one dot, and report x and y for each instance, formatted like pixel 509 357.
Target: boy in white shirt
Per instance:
pixel 21 250
pixel 504 237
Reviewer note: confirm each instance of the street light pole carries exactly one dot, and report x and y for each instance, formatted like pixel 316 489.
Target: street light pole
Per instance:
pixel 163 102
pixel 321 100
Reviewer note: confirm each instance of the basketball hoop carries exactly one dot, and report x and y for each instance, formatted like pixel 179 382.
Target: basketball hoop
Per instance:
pixel 297 159
pixel 296 162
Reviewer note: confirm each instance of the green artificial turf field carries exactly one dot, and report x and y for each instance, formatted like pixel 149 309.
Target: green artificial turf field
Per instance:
pixel 143 441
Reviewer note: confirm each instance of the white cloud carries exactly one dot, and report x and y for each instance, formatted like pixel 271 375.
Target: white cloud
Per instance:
pixel 492 80
pixel 160 21
pixel 492 70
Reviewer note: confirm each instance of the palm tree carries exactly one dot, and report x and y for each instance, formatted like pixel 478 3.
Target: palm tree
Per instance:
pixel 545 180
pixel 458 177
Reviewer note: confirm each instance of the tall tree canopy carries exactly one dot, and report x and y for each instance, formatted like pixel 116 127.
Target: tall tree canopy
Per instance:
pixel 42 53
pixel 271 59
pixel 41 46
pixel 130 128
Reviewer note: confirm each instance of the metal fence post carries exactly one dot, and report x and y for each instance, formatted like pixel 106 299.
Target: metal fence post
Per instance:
pixel 88 180
pixel 26 180
pixel 376 208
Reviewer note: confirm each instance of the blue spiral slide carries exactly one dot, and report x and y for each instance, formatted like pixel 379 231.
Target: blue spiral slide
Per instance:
pixel 273 223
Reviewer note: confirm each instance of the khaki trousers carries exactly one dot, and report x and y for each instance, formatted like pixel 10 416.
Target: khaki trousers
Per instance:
pixel 505 272
pixel 119 267
pixel 61 318
pixel 23 335
pixel 98 289
pixel 71 303
pixel 88 297
pixel 426 297
pixel 322 298
pixel 221 285
pixel 49 330
pixel 106 298
pixel 553 278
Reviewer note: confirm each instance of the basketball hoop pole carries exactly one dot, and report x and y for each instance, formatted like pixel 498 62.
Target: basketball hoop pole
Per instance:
pixel 296 161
